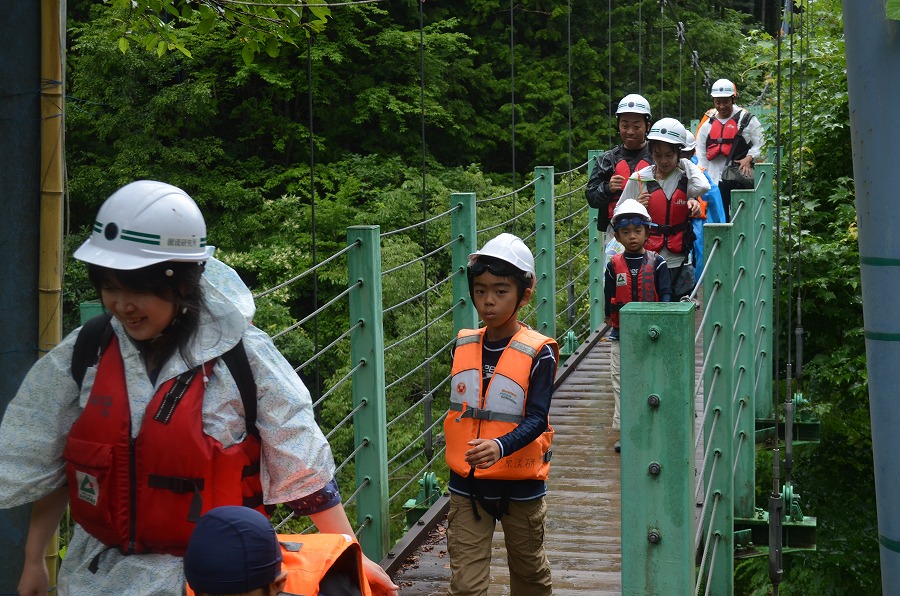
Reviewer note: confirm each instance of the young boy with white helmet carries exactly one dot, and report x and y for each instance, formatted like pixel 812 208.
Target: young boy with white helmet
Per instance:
pixel 611 172
pixel 497 430
pixel 637 274
pixel 669 190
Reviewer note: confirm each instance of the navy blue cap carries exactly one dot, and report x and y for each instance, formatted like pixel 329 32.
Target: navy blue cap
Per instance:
pixel 232 549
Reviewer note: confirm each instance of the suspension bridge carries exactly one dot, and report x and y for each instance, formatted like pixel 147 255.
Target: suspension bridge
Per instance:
pixel 696 399
pixel 698 402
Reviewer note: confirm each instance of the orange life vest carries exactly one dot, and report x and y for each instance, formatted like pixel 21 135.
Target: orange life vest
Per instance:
pixel 146 494
pixel 492 414
pixel 670 217
pixel 626 288
pixel 721 138
pixel 320 564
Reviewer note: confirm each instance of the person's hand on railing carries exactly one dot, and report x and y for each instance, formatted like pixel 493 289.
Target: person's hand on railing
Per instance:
pixel 379 581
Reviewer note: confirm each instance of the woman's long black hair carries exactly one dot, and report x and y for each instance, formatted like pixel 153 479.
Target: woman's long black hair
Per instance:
pixel 175 282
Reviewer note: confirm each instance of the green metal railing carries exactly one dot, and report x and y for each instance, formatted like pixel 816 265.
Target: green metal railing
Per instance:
pixel 404 301
pixel 677 513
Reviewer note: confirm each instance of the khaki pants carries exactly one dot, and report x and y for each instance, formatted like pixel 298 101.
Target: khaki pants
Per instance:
pixel 614 369
pixel 469 544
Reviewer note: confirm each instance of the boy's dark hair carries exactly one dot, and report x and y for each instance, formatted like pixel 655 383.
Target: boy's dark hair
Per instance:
pixel 173 281
pixel 500 268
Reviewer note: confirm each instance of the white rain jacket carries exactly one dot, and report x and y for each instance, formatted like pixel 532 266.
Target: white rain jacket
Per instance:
pixel 296 459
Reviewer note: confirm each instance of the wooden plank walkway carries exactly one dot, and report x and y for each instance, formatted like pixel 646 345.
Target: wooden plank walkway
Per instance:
pixel 583 537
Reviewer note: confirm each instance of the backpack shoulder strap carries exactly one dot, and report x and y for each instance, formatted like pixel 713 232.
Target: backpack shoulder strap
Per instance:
pixel 239 366
pixel 96 333
pixel 91 341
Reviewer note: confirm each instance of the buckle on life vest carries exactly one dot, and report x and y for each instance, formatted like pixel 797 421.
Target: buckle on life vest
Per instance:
pixel 548 456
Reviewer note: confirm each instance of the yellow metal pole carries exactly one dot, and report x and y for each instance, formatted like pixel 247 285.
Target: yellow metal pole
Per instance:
pixel 51 203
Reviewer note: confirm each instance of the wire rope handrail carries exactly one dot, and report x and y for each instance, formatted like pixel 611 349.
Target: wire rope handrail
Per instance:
pixel 429 394
pixel 409 460
pixel 509 194
pixel 417 259
pixel 414 297
pixel 339 338
pixel 340 382
pixel 737 417
pixel 421 330
pixel 573 170
pixel 712 564
pixel 362 445
pixel 705 546
pixel 416 478
pixel 418 367
pixel 572 215
pixel 421 436
pixel 705 413
pixel 283 284
pixel 421 223
pixel 352 498
pixel 574 256
pixel 706 312
pixel 510 220
pixel 717 455
pixel 741 439
pixel 738 211
pixel 572 192
pixel 737 351
pixel 571 239
pixel 709 260
pixel 706 452
pixel 575 323
pixel 318 311
pixel 362 404
pixel 707 356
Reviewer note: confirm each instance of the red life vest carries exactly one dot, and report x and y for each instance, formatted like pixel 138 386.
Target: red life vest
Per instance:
pixel 491 414
pixel 721 138
pixel 670 217
pixel 320 564
pixel 625 169
pixel 626 288
pixel 146 494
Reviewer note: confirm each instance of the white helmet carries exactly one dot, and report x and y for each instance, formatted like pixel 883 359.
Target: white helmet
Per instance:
pixel 144 223
pixel 668 130
pixel 634 104
pixel 691 142
pixel 631 207
pixel 509 248
pixel 723 88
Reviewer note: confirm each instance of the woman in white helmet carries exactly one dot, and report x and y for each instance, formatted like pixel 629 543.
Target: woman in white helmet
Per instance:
pixel 669 190
pixel 157 427
pixel 610 173
pixel 731 137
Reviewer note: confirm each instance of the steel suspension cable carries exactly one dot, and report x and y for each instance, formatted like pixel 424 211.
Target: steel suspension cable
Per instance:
pixel 424 186
pixel 512 96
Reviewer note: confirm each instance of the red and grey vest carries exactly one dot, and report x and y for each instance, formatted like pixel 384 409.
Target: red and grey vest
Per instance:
pixel 145 494
pixel 723 137
pixel 639 288
pixel 670 217
pixel 625 169
pixel 488 415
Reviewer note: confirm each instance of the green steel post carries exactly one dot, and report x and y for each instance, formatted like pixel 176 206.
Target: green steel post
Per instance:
pixel 465 238
pixel 595 253
pixel 370 422
pixel 657 408
pixel 765 230
pixel 745 264
pixel 718 382
pixel 545 251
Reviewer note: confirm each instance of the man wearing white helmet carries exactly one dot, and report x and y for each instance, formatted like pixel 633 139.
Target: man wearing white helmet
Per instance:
pixel 140 421
pixel 497 431
pixel 732 139
pixel 669 190
pixel 637 274
pixel 612 170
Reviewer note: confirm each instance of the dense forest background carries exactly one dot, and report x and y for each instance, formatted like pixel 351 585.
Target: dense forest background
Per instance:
pixel 392 105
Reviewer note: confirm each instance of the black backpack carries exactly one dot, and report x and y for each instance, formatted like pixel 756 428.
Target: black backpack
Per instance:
pixel 96 333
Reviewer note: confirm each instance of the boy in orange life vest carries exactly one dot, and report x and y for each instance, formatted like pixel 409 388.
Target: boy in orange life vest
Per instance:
pixel 637 274
pixel 609 176
pixel 669 190
pixel 497 430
